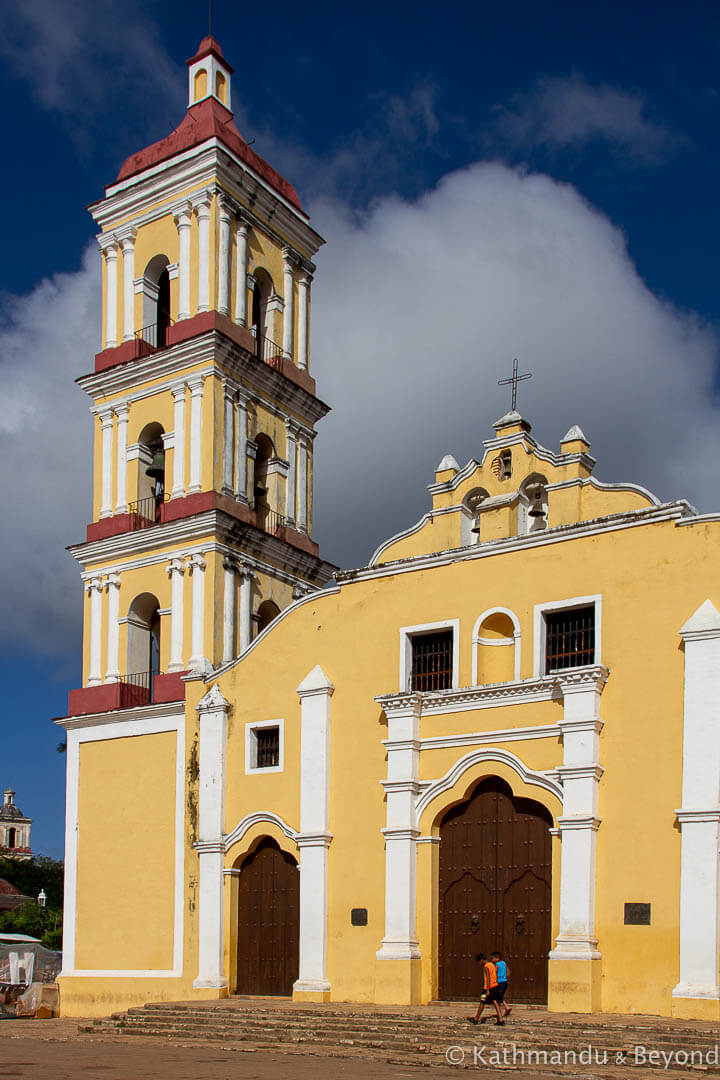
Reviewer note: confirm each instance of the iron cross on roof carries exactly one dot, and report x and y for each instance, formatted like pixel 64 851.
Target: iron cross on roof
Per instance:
pixel 514 382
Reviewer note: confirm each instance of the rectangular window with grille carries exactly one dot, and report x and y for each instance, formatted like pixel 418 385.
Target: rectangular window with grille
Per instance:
pixel 432 661
pixel 267 747
pixel 569 638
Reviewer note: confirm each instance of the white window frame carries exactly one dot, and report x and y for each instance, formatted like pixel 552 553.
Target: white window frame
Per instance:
pixel 540 633
pixel 251 747
pixel 407 633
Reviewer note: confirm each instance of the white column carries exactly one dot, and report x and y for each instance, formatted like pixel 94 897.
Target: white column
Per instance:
pixel 401 831
pixel 302 483
pixel 183 220
pixel 241 271
pixel 212 710
pixel 224 257
pixel 241 423
pixel 303 319
pixel 246 580
pixel 292 473
pixel 228 440
pixel 106 426
pixel 128 250
pixel 203 214
pixel 699 816
pixel 289 302
pixel 94 589
pixel 580 775
pixel 178 487
pixel 314 839
pixel 176 572
pixel 230 568
pixel 113 650
pixel 121 506
pixel 110 249
pixel 195 385
pixel 196 565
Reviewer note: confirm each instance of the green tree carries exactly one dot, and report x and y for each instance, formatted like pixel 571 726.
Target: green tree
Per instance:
pixel 32 875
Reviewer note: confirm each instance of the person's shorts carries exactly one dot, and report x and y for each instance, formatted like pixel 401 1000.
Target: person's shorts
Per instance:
pixel 498 992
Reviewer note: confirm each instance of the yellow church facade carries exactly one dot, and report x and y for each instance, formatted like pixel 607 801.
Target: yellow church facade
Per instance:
pixel 501 733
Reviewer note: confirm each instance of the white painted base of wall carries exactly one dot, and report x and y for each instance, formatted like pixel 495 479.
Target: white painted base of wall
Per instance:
pixel 311 986
pixel 209 984
pixel 688 990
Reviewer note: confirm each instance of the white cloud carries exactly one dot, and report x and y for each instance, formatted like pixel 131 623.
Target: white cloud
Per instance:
pixel 564 112
pixel 77 55
pixel 418 309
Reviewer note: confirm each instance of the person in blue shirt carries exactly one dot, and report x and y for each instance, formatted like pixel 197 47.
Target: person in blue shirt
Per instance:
pixel 503 973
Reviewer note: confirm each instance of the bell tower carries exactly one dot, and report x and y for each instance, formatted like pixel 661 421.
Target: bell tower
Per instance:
pixel 204 407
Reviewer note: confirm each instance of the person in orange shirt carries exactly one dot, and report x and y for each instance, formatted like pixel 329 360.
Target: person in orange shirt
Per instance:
pixel 489 995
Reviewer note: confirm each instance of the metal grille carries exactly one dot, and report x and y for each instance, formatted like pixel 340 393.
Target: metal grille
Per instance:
pixel 432 661
pixel 268 747
pixel 570 638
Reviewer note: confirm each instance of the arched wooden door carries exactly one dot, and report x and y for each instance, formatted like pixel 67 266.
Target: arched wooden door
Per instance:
pixel 268 940
pixel 495 892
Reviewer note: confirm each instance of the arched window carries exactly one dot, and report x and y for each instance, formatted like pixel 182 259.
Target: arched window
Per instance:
pixel 150 476
pixel 533 504
pixel 220 87
pixel 143 652
pixel 262 315
pixel 264 452
pixel 12 838
pixel 470 526
pixel 496 647
pixel 156 303
pixel 200 87
pixel 265 614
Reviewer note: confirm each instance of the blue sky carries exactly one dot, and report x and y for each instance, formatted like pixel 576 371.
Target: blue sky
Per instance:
pixel 492 181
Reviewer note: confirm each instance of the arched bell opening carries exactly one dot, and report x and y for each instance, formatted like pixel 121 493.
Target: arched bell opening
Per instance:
pixel 533 504
pixel 265 614
pixel 471 528
pixel 143 644
pixel 151 473
pixel 156 302
pixel 262 495
pixel 262 315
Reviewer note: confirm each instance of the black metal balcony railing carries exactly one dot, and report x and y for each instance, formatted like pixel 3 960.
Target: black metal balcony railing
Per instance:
pixel 137 688
pixel 145 513
pixel 269 520
pixel 153 337
pixel 268 351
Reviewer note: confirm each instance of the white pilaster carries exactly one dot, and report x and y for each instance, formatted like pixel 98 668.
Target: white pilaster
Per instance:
pixel 230 568
pixel 245 635
pixel 241 271
pixel 203 215
pixel 225 216
pixel 241 423
pixel 122 413
pixel 303 319
pixel 289 301
pixel 178 486
pixel 195 385
pixel 110 247
pixel 302 519
pixel 176 572
pixel 580 775
pixel 699 816
pixel 314 839
pixel 212 710
pixel 196 565
pixel 401 831
pixel 106 427
pixel 292 472
pixel 228 439
pixel 112 585
pixel 128 251
pixel 183 220
pixel 94 589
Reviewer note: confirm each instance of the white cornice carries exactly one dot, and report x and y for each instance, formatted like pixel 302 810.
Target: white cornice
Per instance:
pixel 560 534
pixel 499 735
pixel 494 695
pixel 138 714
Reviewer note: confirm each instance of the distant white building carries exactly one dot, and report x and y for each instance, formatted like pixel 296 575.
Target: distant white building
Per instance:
pixel 14 829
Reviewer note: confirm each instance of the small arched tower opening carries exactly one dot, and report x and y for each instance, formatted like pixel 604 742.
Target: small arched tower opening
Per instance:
pixel 156 302
pixel 143 652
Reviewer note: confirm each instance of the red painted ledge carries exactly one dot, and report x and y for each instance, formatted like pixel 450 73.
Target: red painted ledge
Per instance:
pixel 203 323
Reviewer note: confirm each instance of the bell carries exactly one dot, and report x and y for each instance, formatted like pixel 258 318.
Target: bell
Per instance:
pixel 537 510
pixel 475 527
pixel 259 491
pixel 156 468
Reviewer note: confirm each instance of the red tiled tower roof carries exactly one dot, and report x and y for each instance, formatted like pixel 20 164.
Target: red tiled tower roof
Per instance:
pixel 209 46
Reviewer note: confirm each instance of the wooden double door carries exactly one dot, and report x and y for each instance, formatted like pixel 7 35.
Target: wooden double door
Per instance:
pixel 495 892
pixel 268 933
